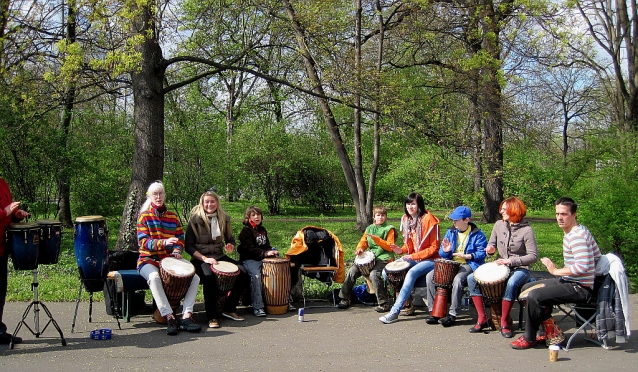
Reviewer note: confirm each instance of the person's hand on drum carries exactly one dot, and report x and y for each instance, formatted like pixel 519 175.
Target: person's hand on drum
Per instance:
pixel 20 214
pixel 396 249
pixel 210 260
pixel 176 254
pixel 446 244
pixel 407 257
pixel 503 261
pixel 229 248
pixel 271 253
pixel 358 251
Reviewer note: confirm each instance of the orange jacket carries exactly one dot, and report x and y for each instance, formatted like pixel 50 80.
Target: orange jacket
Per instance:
pixel 298 246
pixel 430 239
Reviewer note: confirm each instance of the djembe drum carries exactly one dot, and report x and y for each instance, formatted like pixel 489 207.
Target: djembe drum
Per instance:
pixel 396 272
pixel 225 275
pixel 176 275
pixel 365 263
pixel 492 279
pixel 444 273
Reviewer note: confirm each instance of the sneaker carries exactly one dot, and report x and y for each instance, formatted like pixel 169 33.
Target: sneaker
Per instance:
pixel 291 307
pixel 407 311
pixel 5 338
pixel 343 304
pixel 171 326
pixel 521 344
pixel 448 321
pixel 389 318
pixel 432 320
pixel 213 323
pixel 383 308
pixel 189 325
pixel 259 312
pixel 234 316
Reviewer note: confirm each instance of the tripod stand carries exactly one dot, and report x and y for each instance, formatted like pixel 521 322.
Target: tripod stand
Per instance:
pixel 35 305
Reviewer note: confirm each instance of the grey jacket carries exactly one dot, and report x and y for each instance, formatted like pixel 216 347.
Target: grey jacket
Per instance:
pixel 515 241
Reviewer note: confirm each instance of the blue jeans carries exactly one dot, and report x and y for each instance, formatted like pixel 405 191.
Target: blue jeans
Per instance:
pixel 417 270
pixel 253 268
pixel 518 277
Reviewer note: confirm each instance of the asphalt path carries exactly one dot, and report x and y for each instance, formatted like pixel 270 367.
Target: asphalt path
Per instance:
pixel 328 340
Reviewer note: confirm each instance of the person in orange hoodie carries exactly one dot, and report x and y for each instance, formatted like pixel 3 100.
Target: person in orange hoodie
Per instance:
pixel 421 239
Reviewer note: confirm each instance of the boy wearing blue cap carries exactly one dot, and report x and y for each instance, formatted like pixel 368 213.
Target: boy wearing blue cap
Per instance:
pixel 464 243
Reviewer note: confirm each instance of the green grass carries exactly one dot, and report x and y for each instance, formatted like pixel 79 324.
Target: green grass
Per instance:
pixel 60 282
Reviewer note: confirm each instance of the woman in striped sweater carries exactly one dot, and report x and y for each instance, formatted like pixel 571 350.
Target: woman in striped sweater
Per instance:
pixel 160 235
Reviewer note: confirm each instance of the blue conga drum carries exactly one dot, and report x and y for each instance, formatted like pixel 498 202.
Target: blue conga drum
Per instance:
pixel 23 241
pixel 50 240
pixel 91 250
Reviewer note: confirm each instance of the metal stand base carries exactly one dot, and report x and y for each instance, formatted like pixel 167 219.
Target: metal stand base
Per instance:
pixel 35 305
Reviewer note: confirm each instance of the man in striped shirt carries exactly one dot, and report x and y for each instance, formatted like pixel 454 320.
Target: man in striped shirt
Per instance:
pixel 574 284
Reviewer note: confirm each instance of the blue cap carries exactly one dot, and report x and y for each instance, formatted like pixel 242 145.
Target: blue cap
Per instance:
pixel 460 213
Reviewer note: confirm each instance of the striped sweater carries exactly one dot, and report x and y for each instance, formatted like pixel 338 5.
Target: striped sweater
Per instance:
pixel 152 230
pixel 581 252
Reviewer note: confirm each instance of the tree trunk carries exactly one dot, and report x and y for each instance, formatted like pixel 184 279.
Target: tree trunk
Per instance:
pixel 333 128
pixel 148 111
pixel 64 172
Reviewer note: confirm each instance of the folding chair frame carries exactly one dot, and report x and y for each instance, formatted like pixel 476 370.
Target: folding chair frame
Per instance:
pixel 305 270
pixel 587 323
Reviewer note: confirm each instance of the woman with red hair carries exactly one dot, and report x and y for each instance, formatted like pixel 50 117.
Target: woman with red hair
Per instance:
pixel 513 239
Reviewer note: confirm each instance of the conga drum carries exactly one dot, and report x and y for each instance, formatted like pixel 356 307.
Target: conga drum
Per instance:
pixel 365 262
pixel 90 244
pixel 50 240
pixel 23 241
pixel 444 273
pixel 396 272
pixel 176 275
pixel 275 278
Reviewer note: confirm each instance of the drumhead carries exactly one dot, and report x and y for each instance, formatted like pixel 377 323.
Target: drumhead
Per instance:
pixel 177 267
pixel 275 260
pixel 397 266
pixel 225 267
pixel 364 258
pixel 491 272
pixel 89 219
pixel 49 222
pixel 19 226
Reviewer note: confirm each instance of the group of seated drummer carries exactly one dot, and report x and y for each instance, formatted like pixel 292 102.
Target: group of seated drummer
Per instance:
pixel 209 238
pixel 512 239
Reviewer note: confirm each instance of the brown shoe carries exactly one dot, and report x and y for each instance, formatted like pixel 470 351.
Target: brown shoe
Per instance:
pixel 233 316
pixel 213 323
pixel 409 310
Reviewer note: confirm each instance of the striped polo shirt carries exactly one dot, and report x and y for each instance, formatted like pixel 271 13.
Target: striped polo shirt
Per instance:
pixel 580 252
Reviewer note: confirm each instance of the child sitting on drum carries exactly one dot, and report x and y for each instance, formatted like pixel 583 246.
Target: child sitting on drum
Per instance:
pixel 254 246
pixel 378 238
pixel 464 243
pixel 160 235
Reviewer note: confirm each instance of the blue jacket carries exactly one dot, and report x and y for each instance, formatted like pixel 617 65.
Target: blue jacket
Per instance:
pixel 476 243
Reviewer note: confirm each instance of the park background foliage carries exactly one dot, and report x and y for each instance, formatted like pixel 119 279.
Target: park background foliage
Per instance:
pixel 240 113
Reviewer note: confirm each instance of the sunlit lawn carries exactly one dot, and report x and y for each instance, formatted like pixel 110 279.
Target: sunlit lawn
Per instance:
pixel 60 282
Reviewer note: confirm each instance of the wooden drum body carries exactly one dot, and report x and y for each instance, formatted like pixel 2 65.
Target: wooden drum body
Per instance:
pixel 492 279
pixel 275 278
pixel 444 273
pixel 226 273
pixel 176 275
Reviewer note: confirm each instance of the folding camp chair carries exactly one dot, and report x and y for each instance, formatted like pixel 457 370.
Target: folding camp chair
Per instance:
pixel 318 254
